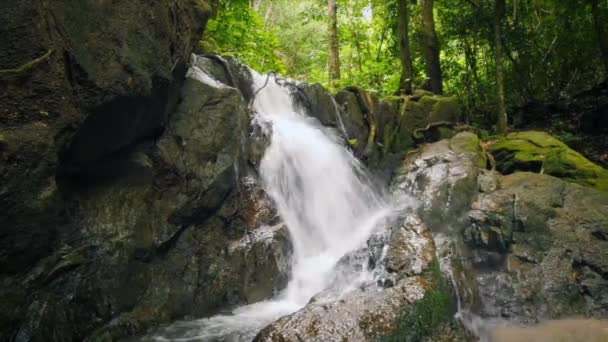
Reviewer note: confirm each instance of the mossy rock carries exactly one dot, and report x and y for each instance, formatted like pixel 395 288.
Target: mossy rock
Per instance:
pixel 540 152
pixel 427 315
pixel 428 110
pixel 445 109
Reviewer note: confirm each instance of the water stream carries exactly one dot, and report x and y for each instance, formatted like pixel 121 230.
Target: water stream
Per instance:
pixel 326 199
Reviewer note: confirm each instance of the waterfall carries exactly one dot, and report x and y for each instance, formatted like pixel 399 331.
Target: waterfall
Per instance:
pixel 324 196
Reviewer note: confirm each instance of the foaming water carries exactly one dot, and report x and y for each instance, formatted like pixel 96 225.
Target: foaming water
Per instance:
pixel 328 203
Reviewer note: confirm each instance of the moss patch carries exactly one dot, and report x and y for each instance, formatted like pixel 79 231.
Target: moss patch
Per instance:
pixel 540 152
pixel 465 142
pixel 428 314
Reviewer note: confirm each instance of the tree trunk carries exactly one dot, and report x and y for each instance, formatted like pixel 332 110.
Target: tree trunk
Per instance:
pixel 599 23
pixel 334 49
pixel 499 13
pixel 431 47
pixel 407 69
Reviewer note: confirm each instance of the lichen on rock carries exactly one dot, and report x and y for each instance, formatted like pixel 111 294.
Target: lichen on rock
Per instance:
pixel 540 152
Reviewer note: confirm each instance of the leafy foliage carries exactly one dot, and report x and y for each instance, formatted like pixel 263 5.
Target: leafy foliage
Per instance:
pixel 551 46
pixel 240 31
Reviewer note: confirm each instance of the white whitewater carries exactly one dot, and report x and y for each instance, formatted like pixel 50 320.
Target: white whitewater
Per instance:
pixel 325 198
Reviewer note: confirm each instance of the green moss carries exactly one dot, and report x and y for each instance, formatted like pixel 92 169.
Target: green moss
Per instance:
pixel 415 115
pixel 422 92
pixel 540 152
pixel 540 139
pixel 465 142
pixel 445 109
pixel 570 298
pixel 388 139
pixel 26 66
pixel 393 98
pixel 203 6
pixel 403 141
pixel 353 142
pixel 445 132
pixel 429 313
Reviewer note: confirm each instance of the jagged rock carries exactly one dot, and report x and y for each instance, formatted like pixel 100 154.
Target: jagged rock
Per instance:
pixel 540 248
pixel 443 177
pixel 360 315
pixel 319 103
pixel 408 252
pixel 524 247
pixel 540 152
pixel 353 117
pixel 80 84
pixel 151 243
pixel 371 312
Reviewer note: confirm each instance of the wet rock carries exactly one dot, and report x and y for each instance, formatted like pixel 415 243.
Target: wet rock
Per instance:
pixel 361 315
pixel 318 103
pixel 151 243
pixel 262 260
pixel 408 248
pixel 443 177
pixel 539 248
pixel 228 71
pixel 353 117
pixel 100 78
pixel 407 272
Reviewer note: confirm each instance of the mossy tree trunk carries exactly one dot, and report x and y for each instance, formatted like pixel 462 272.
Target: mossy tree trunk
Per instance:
pixel 431 47
pixel 407 68
pixel 599 24
pixel 334 47
pixel 501 122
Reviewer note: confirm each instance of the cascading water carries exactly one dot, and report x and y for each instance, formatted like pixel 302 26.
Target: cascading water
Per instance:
pixel 325 198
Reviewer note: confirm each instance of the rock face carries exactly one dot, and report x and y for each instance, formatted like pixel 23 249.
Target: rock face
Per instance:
pixel 106 231
pixel 522 247
pixel 381 130
pixel 129 193
pixel 536 241
pixel 417 301
pixel 370 312
pixel 443 177
pixel 540 248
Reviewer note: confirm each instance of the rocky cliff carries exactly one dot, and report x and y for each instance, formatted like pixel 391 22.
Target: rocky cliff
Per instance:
pixel 85 87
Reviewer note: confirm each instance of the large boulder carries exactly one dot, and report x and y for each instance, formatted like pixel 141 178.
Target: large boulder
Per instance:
pixel 522 247
pixel 540 248
pixel 369 312
pixel 168 228
pixel 353 116
pixel 443 177
pixel 540 152
pixel 413 300
pixel 319 103
pixel 381 129
pixel 80 84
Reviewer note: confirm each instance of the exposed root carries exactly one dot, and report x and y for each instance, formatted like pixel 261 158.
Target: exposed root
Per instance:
pixel 27 66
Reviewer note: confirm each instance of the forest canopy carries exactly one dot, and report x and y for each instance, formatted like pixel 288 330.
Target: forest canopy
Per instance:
pixel 492 54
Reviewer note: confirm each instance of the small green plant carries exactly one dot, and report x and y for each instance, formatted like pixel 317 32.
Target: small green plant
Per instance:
pixel 435 308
